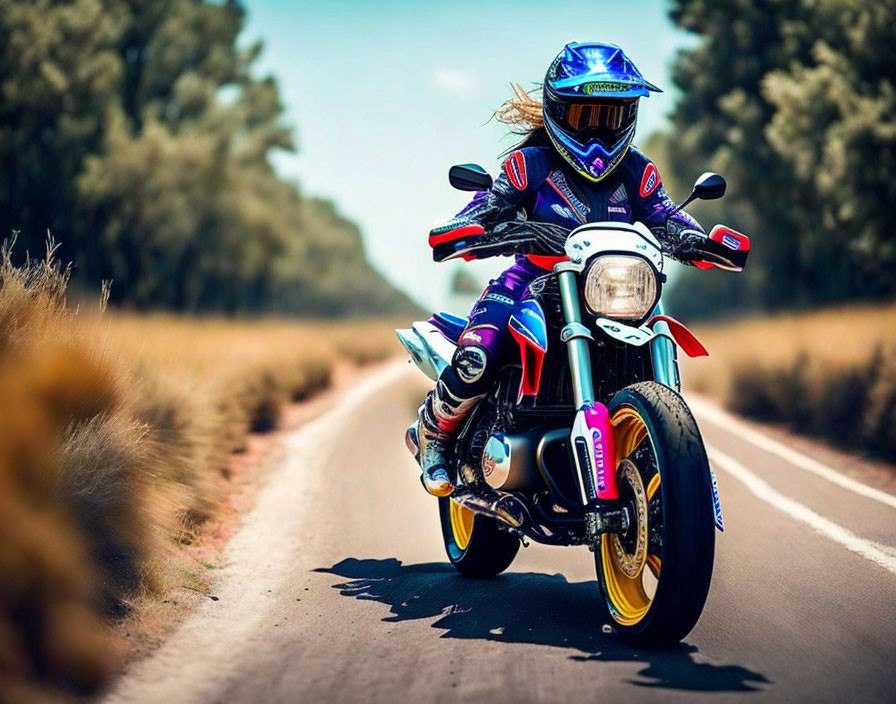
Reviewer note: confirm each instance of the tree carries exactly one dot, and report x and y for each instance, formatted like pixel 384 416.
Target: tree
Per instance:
pixel 58 68
pixel 835 127
pixel 145 145
pixel 792 102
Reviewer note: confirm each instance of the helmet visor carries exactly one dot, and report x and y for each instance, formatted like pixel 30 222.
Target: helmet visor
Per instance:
pixel 605 121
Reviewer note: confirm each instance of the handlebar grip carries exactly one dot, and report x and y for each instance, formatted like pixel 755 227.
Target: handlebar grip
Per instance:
pixel 723 248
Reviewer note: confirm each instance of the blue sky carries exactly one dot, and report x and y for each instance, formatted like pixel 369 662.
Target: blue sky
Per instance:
pixel 385 96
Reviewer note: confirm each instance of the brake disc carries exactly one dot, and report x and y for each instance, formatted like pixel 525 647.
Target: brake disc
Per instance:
pixel 631 563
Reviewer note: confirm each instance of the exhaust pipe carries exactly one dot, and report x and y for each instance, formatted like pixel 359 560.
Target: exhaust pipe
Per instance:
pixel 503 508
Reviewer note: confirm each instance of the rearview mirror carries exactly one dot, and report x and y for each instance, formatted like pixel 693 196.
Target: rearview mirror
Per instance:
pixel 709 187
pixel 470 177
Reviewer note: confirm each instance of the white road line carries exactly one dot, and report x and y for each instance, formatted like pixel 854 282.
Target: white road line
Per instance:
pixel 705 410
pixel 879 554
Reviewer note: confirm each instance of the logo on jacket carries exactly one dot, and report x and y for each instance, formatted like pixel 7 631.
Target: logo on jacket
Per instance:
pixel 619 195
pixel 498 298
pixel 557 181
pixel 650 180
pixel 563 212
pixel 515 167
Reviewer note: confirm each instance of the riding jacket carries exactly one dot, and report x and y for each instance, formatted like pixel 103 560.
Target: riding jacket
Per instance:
pixel 536 186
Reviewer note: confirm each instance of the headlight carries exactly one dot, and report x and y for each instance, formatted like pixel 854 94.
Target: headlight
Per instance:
pixel 619 286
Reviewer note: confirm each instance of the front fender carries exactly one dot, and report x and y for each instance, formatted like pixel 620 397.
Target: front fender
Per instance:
pixel 638 336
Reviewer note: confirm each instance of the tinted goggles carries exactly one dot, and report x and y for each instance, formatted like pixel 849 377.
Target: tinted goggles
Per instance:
pixel 604 118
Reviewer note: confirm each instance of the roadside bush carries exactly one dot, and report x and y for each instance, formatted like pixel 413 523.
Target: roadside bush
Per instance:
pixel 829 372
pixel 52 634
pixel 879 419
pixel 853 405
pixel 116 435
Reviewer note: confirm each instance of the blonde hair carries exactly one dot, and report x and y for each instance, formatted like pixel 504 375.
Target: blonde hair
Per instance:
pixel 522 112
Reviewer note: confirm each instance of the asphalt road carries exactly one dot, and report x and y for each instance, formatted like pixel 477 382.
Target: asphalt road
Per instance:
pixel 337 589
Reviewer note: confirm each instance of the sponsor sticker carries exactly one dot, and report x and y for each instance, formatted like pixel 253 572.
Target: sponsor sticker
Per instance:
pixel 603 87
pixel 730 242
pixel 598 443
pixel 716 501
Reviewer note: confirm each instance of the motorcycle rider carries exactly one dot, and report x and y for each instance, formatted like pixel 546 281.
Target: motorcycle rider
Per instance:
pixel 575 165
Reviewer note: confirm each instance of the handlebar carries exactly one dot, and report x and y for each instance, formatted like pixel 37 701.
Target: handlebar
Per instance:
pixel 722 248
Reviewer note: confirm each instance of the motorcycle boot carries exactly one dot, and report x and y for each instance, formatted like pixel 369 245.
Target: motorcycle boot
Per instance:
pixel 460 387
pixel 438 420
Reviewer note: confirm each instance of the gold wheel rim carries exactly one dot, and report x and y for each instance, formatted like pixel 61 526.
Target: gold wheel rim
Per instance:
pixel 653 485
pixel 461 524
pixel 627 598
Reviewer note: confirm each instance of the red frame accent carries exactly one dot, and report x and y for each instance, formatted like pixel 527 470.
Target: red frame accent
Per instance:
pixel 683 337
pixel 545 261
pixel 532 359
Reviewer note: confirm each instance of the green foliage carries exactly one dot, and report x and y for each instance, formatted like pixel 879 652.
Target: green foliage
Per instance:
pixel 136 133
pixel 795 103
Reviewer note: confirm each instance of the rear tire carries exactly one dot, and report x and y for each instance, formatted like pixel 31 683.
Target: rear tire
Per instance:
pixel 674 472
pixel 475 544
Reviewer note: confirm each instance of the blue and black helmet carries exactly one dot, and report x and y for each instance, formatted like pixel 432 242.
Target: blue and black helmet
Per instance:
pixel 590 96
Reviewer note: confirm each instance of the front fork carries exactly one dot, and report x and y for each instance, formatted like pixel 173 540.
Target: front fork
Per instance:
pixel 591 438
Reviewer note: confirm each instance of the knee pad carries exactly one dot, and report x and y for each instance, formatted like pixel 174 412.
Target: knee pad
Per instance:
pixel 474 363
pixel 470 363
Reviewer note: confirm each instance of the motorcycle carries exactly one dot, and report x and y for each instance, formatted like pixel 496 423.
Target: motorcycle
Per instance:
pixel 585 439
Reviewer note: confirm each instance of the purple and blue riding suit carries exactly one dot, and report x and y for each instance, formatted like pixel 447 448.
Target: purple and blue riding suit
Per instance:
pixel 535 185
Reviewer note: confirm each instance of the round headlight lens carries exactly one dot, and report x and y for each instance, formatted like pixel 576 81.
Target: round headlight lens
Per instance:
pixel 620 286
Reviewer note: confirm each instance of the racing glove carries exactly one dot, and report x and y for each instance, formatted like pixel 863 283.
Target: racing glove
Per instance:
pixel 513 237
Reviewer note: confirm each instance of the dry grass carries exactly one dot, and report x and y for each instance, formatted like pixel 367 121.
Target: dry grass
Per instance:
pixel 830 373
pixel 116 432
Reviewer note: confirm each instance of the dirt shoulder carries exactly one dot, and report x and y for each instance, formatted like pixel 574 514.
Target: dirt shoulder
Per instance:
pixel 155 616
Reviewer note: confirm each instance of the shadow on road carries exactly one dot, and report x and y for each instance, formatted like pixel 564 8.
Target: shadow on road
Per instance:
pixel 529 608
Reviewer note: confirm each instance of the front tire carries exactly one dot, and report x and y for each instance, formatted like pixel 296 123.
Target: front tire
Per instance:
pixel 475 544
pixel 669 549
